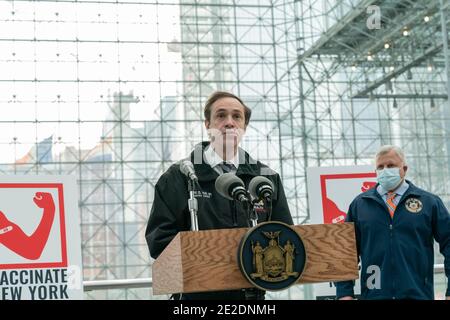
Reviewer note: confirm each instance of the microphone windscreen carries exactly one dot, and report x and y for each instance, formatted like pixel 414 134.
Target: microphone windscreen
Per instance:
pixel 186 166
pixel 224 182
pixel 256 183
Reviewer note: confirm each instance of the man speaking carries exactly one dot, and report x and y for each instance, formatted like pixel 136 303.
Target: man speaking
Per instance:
pixel 226 120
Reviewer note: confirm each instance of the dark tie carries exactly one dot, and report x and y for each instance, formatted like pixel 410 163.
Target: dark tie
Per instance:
pixel 226 167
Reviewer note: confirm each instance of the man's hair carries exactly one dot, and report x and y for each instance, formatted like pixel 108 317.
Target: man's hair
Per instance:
pixel 223 94
pixel 388 148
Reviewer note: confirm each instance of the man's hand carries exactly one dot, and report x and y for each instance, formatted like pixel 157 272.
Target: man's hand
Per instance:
pixel 44 200
pixel 347 298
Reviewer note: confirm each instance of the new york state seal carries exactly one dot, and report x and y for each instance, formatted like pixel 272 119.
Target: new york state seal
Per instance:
pixel 272 256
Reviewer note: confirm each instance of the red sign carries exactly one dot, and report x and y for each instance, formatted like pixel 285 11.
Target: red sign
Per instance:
pixel 29 247
pixel 331 212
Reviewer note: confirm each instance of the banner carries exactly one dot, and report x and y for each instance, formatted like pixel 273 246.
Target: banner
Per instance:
pixel 40 246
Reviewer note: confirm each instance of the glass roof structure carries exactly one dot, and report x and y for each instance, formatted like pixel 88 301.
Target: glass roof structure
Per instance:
pixel 113 93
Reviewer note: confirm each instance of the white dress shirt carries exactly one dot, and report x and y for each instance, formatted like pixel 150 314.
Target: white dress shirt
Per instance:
pixel 214 160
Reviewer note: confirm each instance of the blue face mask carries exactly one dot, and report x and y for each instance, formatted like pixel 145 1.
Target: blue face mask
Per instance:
pixel 389 178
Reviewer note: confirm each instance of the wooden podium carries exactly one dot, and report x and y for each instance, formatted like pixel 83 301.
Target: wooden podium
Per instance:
pixel 207 260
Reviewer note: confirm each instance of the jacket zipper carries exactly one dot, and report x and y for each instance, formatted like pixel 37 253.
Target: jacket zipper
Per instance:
pixel 391 258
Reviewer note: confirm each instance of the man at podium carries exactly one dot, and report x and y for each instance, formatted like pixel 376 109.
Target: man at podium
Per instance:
pixel 226 120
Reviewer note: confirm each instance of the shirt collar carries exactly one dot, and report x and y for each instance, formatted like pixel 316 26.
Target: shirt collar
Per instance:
pixel 213 159
pixel 399 191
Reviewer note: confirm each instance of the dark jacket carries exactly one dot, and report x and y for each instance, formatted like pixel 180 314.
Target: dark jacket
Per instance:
pixel 401 248
pixel 170 215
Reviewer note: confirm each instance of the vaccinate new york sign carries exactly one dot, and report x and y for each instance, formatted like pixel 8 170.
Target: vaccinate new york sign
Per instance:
pixel 40 248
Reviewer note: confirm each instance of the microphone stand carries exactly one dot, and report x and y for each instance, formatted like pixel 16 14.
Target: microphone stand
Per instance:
pixel 268 202
pixel 193 205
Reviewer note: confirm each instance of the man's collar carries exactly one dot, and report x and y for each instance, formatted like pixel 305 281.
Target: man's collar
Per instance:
pixel 213 159
pixel 248 166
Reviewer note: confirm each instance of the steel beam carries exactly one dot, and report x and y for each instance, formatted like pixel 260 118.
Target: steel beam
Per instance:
pixel 418 60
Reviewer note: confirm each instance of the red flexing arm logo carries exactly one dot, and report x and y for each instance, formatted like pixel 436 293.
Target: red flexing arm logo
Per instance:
pixel 367 185
pixel 332 214
pixel 29 247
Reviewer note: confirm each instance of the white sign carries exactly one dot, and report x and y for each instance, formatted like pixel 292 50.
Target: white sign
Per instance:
pixel 40 246
pixel 330 192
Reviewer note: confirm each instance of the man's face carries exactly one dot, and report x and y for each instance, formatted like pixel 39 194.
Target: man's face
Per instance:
pixel 391 160
pixel 226 125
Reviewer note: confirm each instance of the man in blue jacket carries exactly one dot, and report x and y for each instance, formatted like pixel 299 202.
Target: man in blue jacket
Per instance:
pixel 395 224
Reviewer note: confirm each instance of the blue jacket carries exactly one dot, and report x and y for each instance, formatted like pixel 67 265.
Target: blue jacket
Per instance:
pixel 397 253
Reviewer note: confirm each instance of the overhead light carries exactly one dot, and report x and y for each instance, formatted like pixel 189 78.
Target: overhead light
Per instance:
pixel 409 75
pixel 369 57
pixel 426 18
pixel 430 67
pixel 353 68
pixel 389 86
pixel 405 32
pixel 432 105
pixel 386 45
pixel 391 68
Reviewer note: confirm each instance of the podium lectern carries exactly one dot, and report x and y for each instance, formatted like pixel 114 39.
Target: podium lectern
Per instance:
pixel 207 260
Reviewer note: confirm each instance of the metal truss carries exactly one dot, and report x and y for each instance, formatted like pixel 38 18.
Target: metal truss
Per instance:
pixel 324 90
pixel 397 76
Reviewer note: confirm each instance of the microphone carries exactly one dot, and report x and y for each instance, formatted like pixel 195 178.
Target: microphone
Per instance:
pixel 231 187
pixel 187 168
pixel 261 187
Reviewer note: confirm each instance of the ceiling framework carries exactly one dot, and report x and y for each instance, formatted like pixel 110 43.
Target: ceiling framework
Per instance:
pixel 113 93
pixel 367 87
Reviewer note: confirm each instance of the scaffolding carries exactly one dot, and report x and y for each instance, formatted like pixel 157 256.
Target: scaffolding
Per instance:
pixel 113 92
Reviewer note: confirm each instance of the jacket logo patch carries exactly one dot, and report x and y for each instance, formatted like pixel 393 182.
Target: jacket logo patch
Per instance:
pixel 202 194
pixel 413 205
